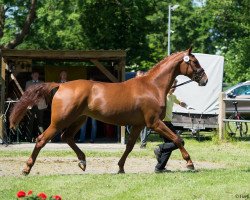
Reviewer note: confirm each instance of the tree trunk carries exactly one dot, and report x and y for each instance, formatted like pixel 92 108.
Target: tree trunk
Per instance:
pixel 25 30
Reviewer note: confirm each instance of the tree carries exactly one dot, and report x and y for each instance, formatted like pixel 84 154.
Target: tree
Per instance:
pixel 57 27
pixel 231 32
pixel 118 24
pixel 17 25
pixel 189 25
pixel 138 26
pixel 212 26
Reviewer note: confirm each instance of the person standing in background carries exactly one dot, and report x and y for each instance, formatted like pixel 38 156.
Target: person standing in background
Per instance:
pixel 63 77
pixel 93 130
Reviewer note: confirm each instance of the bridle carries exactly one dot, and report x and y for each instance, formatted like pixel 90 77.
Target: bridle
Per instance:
pixel 197 73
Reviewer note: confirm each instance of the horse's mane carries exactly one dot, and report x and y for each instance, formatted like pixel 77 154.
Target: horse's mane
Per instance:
pixel 166 59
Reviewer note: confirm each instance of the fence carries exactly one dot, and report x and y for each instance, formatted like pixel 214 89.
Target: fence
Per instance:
pixel 222 114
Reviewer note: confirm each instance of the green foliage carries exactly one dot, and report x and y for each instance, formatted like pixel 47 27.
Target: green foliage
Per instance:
pixel 140 27
pixel 238 61
pixel 15 14
pixel 231 30
pixel 117 25
pixel 56 27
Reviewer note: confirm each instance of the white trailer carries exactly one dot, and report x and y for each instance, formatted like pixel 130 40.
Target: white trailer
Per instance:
pixel 204 100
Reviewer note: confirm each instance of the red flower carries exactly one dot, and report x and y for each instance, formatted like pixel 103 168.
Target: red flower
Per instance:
pixel 57 197
pixel 42 195
pixel 30 192
pixel 20 194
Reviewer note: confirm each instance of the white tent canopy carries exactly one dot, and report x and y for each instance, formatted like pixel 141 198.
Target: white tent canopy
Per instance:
pixel 204 100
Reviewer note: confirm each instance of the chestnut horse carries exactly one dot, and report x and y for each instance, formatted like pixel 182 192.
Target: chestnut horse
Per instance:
pixel 138 102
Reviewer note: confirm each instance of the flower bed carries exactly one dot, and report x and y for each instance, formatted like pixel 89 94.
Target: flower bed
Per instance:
pixel 40 196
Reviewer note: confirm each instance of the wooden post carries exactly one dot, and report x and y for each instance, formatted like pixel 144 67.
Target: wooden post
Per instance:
pixel 17 83
pixel 3 67
pixel 122 71
pixel 122 134
pixel 122 68
pixel 222 115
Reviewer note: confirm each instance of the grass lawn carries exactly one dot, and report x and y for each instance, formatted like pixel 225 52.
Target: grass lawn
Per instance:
pixel 232 182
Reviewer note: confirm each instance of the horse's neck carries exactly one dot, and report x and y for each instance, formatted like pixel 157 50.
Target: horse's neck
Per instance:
pixel 166 74
pixel 163 76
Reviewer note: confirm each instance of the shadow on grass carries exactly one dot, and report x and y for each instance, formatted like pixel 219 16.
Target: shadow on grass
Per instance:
pixel 202 137
pixel 244 138
pixel 197 170
pixel 246 170
pixel 233 138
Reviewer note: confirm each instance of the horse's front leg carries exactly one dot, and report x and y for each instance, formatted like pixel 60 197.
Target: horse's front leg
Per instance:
pixel 40 143
pixel 163 130
pixel 129 147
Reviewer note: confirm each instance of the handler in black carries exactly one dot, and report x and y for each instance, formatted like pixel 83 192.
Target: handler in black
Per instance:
pixel 163 151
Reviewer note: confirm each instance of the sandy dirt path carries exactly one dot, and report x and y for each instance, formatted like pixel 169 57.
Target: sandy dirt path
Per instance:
pixel 69 165
pixel 98 165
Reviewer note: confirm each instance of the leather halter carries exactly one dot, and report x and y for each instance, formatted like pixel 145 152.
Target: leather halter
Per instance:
pixel 197 72
pixel 197 75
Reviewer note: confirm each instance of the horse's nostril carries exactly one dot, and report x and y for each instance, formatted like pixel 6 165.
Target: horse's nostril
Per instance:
pixel 203 82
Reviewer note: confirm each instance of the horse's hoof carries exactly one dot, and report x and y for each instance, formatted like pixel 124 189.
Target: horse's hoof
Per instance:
pixel 121 171
pixel 190 166
pixel 82 165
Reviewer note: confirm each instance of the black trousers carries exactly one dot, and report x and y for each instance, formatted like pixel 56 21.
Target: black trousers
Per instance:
pixel 166 149
pixel 38 114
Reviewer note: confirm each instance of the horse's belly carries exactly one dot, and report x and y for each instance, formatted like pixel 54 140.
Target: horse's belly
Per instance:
pixel 119 118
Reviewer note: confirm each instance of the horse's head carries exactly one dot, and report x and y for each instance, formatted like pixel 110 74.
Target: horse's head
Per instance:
pixel 190 67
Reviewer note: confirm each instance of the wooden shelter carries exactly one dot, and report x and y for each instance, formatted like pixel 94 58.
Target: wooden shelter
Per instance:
pixel 110 63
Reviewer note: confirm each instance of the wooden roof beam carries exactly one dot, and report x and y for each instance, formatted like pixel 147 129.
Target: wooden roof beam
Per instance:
pixel 63 55
pixel 104 70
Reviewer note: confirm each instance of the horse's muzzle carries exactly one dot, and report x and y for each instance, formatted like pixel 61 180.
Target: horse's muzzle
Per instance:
pixel 203 81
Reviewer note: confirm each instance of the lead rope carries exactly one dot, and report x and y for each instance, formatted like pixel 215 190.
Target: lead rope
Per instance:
pixel 175 86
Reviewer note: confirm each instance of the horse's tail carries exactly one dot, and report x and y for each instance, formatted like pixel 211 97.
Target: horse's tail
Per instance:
pixel 29 98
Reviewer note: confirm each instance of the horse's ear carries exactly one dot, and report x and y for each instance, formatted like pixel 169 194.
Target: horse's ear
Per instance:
pixel 190 50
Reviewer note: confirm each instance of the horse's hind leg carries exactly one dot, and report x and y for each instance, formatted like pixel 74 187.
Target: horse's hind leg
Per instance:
pixel 40 143
pixel 68 136
pixel 129 147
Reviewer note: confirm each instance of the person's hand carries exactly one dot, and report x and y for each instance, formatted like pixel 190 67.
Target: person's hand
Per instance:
pixel 183 104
